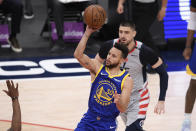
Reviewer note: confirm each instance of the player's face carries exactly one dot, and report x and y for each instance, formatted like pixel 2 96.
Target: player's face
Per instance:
pixel 113 58
pixel 126 35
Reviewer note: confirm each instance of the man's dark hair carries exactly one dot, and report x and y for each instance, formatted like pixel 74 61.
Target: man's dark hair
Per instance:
pixel 130 24
pixel 122 48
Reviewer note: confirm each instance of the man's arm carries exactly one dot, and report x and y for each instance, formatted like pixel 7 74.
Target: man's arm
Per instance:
pixel 16 118
pixel 85 61
pixel 148 56
pixel 190 35
pixel 122 100
pixel 1 1
pixel 162 11
pixel 160 69
pixel 13 94
pixel 120 8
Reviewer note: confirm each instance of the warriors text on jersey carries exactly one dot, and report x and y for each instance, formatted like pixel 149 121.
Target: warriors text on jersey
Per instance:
pixel 102 112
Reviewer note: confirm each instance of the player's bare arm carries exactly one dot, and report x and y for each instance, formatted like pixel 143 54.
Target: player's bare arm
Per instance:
pixel 190 35
pixel 122 100
pixel 12 92
pixel 91 64
pixel 162 11
pixel 120 8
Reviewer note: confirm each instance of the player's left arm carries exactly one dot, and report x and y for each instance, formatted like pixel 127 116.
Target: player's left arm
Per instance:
pixel 122 100
pixel 160 69
pixel 149 57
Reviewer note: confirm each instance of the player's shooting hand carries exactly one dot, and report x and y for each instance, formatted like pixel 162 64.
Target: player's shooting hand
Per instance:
pixel 116 97
pixel 12 90
pixel 120 8
pixel 160 107
pixel 187 53
pixel 161 14
pixel 90 30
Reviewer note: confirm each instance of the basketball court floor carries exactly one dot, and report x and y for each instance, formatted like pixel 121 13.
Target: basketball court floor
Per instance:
pixel 55 104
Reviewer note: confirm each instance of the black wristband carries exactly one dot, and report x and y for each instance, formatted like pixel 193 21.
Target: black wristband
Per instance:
pixel 14 98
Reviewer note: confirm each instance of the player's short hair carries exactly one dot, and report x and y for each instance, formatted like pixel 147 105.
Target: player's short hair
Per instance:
pixel 130 24
pixel 123 48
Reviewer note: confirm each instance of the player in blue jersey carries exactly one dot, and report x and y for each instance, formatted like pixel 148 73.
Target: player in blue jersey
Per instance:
pixel 191 68
pixel 110 88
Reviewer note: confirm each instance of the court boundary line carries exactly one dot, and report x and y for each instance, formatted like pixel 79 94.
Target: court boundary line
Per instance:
pixel 34 124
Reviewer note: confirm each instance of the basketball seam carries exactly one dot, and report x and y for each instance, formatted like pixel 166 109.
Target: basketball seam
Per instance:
pixel 100 12
pixel 92 17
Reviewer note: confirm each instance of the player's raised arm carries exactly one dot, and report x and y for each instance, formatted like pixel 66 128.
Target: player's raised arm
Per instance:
pixel 122 100
pixel 90 64
pixel 13 93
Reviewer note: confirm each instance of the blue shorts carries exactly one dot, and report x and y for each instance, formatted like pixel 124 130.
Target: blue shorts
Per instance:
pixel 91 122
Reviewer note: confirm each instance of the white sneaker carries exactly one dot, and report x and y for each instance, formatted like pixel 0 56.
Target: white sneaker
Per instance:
pixel 28 15
pixel 186 126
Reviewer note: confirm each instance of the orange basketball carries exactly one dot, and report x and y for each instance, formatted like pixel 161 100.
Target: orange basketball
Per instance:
pixel 94 16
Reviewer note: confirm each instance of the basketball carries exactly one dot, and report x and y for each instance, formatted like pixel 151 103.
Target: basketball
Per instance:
pixel 94 16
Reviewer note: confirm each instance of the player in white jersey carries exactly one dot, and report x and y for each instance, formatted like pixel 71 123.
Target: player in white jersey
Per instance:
pixel 191 68
pixel 139 56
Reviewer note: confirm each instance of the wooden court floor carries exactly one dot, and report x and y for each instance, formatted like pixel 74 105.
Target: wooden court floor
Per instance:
pixel 56 104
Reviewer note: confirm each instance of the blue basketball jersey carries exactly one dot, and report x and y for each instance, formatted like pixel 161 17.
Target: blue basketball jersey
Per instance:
pixel 102 112
pixel 191 67
pixel 101 101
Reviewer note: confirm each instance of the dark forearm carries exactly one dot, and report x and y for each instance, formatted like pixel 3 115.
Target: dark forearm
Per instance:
pixel 163 86
pixel 164 4
pixel 190 37
pixel 16 118
pixel 163 81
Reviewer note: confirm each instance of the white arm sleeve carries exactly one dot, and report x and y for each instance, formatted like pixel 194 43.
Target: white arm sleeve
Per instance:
pixel 192 21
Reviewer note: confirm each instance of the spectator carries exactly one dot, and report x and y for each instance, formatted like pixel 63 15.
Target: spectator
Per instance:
pixel 144 13
pixel 28 9
pixel 58 7
pixel 14 7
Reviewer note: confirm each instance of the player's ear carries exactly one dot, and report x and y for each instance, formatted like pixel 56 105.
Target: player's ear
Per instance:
pixel 134 33
pixel 122 60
